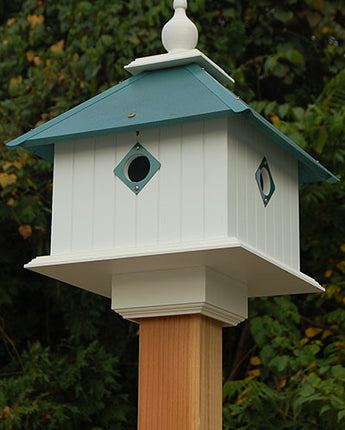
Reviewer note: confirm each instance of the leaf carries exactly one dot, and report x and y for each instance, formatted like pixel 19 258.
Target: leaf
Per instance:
pixel 30 56
pixel 304 341
pixel 338 372
pixel 322 136
pixel 280 363
pixel 282 15
pixel 298 113
pixel 307 390
pixel 275 118
pixel 15 81
pixel 325 408
pixel 58 47
pixel 328 273
pixel 34 20
pixel 7 179
pixel 313 331
pixel 340 416
pixel 270 64
pixel 283 110
pixel 25 231
pixel 255 361
pixel 295 56
pixel 282 383
pixel 326 334
pixel 269 108
pixel 10 21
pixel 254 373
pixel 314 18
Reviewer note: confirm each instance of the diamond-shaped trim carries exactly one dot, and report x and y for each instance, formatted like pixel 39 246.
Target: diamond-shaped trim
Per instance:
pixel 266 189
pixel 121 170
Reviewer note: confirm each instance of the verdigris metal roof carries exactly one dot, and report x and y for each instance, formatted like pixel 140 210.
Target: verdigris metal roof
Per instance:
pixel 159 98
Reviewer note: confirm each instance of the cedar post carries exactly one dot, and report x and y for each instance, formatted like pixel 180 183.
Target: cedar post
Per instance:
pixel 180 373
pixel 181 313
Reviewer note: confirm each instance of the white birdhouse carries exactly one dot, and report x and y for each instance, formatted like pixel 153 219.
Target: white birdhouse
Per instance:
pixel 171 195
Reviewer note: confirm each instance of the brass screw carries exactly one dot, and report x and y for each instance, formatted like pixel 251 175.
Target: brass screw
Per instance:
pixel 136 188
pixel 131 115
pixel 137 148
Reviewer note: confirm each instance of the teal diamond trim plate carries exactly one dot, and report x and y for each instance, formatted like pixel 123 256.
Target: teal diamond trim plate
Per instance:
pixel 265 181
pixel 121 170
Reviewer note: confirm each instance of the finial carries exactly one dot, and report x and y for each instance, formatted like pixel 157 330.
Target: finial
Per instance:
pixel 180 33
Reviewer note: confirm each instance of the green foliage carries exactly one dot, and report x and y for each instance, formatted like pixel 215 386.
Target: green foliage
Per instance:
pixel 68 361
pixel 54 390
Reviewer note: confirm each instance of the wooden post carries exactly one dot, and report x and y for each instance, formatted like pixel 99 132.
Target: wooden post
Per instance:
pixel 180 373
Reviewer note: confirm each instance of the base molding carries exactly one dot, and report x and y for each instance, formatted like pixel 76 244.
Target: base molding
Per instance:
pixel 226 317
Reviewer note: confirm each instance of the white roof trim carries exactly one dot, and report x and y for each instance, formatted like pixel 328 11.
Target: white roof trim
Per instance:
pixel 174 59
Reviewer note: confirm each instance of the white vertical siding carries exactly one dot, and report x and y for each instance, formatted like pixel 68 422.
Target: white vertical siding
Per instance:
pixel 125 202
pixel 148 199
pixel 205 189
pixel 104 188
pixel 274 229
pixel 185 200
pixel 192 179
pixel 61 240
pixel 83 193
pixel 215 178
pixel 170 185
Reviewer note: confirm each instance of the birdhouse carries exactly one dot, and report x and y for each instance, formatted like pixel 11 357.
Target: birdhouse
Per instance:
pixel 170 194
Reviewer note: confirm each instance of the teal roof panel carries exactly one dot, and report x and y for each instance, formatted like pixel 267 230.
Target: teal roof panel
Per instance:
pixel 155 99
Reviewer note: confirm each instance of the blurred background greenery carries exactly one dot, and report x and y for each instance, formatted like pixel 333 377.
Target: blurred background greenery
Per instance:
pixel 66 360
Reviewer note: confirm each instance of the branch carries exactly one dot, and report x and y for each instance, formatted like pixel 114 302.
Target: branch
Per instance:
pixel 323 326
pixel 10 341
pixel 240 356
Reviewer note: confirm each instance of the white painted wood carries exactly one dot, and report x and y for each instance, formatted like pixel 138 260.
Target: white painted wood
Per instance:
pixel 179 33
pixel 83 193
pixel 147 218
pixel 61 240
pixel 104 202
pixel 180 291
pixel 274 229
pixel 175 59
pixel 125 201
pixel 185 200
pixel 215 179
pixel 192 181
pixel 205 189
pixel 170 185
pixel 263 275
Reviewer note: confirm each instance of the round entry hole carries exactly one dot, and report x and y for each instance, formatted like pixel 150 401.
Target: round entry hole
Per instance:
pixel 138 168
pixel 265 181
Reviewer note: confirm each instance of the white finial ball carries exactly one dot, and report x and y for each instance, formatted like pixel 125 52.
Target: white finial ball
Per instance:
pixel 179 34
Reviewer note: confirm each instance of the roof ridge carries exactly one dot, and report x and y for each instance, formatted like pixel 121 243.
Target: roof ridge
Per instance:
pixel 215 83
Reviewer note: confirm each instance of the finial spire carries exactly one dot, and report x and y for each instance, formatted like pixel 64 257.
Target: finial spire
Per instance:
pixel 180 33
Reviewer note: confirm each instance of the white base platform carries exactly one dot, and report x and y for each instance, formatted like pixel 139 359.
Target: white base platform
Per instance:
pixel 262 275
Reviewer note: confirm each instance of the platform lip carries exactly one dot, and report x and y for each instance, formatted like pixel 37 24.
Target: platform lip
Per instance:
pixel 107 263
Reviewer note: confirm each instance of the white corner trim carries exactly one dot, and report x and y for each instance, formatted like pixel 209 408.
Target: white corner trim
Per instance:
pixel 174 59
